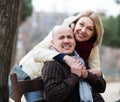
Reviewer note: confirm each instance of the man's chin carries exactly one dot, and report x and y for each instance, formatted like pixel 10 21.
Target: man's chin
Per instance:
pixel 67 52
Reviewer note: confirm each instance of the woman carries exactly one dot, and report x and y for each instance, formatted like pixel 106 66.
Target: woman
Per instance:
pixel 88 31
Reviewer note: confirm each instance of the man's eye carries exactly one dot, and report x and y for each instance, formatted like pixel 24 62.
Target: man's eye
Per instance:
pixel 61 37
pixel 70 37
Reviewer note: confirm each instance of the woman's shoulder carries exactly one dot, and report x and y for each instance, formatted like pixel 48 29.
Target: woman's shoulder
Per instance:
pixel 95 49
pixel 94 52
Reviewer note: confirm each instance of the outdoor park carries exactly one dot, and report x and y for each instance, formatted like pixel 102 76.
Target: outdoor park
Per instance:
pixel 19 38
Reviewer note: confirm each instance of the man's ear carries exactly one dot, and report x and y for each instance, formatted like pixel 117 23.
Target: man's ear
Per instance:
pixel 72 26
pixel 52 43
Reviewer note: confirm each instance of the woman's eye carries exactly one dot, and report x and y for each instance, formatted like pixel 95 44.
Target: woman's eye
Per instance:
pixel 81 24
pixel 91 29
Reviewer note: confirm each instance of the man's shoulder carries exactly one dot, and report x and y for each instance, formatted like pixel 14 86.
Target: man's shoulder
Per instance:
pixel 55 64
pixel 50 62
pixel 52 66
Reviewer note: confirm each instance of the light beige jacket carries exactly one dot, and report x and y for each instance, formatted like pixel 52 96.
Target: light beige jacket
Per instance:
pixel 33 62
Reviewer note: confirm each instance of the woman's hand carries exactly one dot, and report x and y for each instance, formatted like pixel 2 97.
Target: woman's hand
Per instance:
pixel 84 72
pixel 76 67
pixel 69 60
pixel 95 71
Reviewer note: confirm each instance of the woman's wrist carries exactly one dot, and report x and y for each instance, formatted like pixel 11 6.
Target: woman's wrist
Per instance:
pixel 85 75
pixel 65 58
pixel 68 60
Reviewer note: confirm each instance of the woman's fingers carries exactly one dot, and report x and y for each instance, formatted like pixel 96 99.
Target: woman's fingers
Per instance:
pixel 77 67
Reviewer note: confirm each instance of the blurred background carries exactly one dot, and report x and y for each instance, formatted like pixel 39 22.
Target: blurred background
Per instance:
pixel 38 17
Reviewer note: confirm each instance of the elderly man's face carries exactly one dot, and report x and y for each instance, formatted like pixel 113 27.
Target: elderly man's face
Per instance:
pixel 64 41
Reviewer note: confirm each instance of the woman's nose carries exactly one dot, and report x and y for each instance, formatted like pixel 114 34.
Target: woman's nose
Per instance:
pixel 83 29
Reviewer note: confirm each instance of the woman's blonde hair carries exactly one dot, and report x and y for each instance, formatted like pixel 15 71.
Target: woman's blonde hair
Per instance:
pixel 99 30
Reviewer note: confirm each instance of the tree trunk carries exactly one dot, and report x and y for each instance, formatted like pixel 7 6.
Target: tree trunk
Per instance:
pixel 9 10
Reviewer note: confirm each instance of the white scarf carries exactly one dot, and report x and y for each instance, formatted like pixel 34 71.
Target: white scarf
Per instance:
pixel 85 90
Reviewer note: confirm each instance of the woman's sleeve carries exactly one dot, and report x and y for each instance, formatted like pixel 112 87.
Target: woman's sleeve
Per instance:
pixel 97 83
pixel 94 58
pixel 69 20
pixel 42 52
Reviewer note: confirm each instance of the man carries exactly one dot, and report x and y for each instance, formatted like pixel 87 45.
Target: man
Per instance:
pixel 62 82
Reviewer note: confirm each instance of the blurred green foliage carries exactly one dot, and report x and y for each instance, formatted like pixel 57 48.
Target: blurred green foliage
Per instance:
pixel 112 31
pixel 26 9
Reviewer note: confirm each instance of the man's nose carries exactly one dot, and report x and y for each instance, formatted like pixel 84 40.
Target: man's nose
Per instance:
pixel 66 40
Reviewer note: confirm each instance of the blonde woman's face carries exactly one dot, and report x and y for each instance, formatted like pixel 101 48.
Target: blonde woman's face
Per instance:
pixel 84 29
